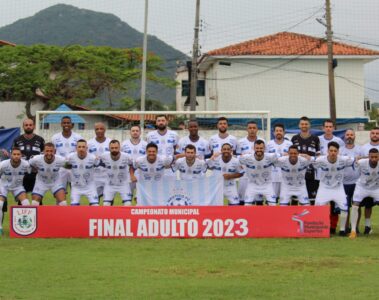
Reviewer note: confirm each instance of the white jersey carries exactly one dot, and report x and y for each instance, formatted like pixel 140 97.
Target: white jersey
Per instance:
pixel 258 171
pixel 351 174
pixel 324 143
pixel 134 150
pixel 48 173
pixel 331 174
pixel 218 165
pixel 97 148
pixel 65 146
pixel 82 171
pixel 244 146
pixel 11 177
pixel 279 150
pixel 117 170
pixel 293 176
pixel 366 148
pixel 152 171
pixel 368 176
pixel 186 172
pixel 202 146
pixel 166 143
pixel 215 142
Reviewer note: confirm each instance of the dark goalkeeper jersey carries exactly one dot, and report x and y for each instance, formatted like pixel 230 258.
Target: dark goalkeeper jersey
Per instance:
pixel 29 147
pixel 310 146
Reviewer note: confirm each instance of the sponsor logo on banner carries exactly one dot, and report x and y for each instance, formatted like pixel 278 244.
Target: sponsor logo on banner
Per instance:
pixel 308 227
pixel 24 220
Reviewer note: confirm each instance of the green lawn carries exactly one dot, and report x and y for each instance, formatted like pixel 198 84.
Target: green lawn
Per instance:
pixel 333 268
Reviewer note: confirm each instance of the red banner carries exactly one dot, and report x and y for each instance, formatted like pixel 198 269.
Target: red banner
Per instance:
pixel 169 222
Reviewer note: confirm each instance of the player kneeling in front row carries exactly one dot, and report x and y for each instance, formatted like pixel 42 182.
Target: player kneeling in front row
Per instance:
pixel 12 172
pixel 332 168
pixel 230 168
pixel 82 165
pixel 48 166
pixel 117 166
pixel 190 167
pixel 293 168
pixel 366 186
pixel 258 168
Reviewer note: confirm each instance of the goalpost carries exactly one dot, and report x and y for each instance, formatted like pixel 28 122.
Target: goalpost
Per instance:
pixel 119 122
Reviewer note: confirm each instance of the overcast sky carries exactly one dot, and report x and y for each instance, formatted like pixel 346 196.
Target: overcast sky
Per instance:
pixel 225 22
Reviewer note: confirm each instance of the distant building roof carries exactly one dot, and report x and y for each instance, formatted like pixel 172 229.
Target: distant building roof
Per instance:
pixel 5 43
pixel 287 44
pixel 56 118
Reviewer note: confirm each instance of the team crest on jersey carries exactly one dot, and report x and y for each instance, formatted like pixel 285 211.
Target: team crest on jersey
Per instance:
pixel 178 198
pixel 24 220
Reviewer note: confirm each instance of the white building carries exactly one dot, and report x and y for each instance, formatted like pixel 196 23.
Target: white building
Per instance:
pixel 285 73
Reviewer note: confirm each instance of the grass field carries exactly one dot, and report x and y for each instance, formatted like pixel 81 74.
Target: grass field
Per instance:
pixel 335 268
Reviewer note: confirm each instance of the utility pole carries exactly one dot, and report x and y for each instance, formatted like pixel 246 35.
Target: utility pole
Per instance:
pixel 144 58
pixel 195 51
pixel 329 35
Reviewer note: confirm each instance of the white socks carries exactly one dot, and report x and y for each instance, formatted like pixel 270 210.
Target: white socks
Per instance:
pixel 354 217
pixel 343 218
pixel 35 203
pixel 25 202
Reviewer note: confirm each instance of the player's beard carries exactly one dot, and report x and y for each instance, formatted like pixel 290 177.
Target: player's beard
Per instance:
pixel 162 127
pixel 349 141
pixel 222 130
pixel 28 131
pixel 115 153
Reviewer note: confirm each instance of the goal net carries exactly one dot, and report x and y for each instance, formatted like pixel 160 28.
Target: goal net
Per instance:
pixel 118 123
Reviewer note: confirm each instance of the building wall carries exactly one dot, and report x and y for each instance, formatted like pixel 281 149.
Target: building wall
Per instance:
pixel 13 112
pixel 287 94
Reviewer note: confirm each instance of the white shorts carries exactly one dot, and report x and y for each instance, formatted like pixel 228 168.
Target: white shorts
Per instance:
pixel 230 193
pixel 100 182
pixel 242 185
pixel 41 188
pixel 110 192
pixel 360 193
pixel 256 193
pixel 337 194
pixel 15 191
pixel 88 191
pixel 64 176
pixel 299 193
pixel 276 187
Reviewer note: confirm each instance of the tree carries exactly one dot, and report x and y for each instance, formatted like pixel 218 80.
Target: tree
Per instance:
pixel 71 74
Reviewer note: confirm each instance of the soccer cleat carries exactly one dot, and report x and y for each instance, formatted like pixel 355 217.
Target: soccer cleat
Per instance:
pixel 342 233
pixel 352 235
pixel 368 230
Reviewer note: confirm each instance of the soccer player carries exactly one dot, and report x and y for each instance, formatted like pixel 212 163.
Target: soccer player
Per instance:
pixel 244 146
pixel 369 203
pixel 203 150
pixel 293 168
pixel 258 169
pixel 151 166
pixel 30 145
pixel 351 174
pixel 278 146
pixel 82 165
pixel 117 166
pixel 230 168
pixel 190 167
pixel 309 144
pixel 12 173
pixel 165 139
pixel 98 146
pixel 328 136
pixel 48 165
pixel 332 168
pixel 223 137
pixel 367 185
pixel 65 143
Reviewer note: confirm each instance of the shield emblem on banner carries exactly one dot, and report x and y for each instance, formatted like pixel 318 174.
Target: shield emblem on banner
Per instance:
pixel 24 220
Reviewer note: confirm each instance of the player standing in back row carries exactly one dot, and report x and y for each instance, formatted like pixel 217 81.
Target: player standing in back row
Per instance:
pixel 309 144
pixel 222 137
pixel 165 139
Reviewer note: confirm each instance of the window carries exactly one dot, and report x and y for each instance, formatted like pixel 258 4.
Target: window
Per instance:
pixel 200 88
